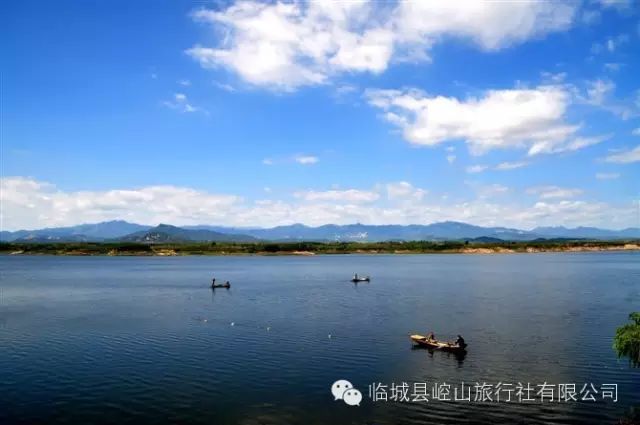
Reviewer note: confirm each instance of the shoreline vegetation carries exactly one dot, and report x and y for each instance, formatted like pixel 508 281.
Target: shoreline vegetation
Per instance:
pixel 312 248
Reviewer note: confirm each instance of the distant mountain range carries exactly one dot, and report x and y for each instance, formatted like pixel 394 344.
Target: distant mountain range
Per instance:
pixel 449 230
pixel 83 232
pixel 167 233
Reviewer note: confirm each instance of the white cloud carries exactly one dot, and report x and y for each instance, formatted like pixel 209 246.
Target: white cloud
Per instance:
pixel 345 89
pixel 636 131
pixel 500 119
pixel 223 86
pixel 299 159
pixel 611 44
pixel 288 45
pixel 554 192
pixel 591 16
pixel 451 159
pixel 599 90
pixel 620 4
pixel 551 78
pixel 404 191
pixel 491 25
pixel 625 157
pixel 306 159
pixel 613 66
pixel 181 103
pixel 568 146
pixel 476 168
pixel 607 176
pixel 488 191
pixel 185 83
pixel 600 93
pixel 504 166
pixel 28 203
pixel 349 195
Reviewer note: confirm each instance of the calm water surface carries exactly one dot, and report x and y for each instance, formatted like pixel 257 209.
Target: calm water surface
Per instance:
pixel 144 340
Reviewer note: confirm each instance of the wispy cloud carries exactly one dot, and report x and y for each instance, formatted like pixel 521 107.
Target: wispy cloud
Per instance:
pixel 223 86
pixel 473 169
pixel 610 45
pixel 349 195
pixel 299 159
pixel 504 166
pixel 613 66
pixel 181 103
pixel 607 176
pixel 625 157
pixel 306 159
pixel 553 192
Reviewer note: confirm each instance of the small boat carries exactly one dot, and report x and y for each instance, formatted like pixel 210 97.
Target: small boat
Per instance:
pixel 357 278
pixel 215 285
pixel 452 347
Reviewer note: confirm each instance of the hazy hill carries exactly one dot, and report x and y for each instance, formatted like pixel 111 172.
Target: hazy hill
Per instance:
pixel 168 233
pixel 82 232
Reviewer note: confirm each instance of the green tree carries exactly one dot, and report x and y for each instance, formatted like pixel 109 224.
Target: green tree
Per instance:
pixel 627 340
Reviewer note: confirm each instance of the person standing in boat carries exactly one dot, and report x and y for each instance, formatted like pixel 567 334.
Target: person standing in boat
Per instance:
pixel 460 341
pixel 431 336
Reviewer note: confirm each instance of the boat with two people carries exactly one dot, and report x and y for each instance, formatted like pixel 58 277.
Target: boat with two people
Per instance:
pixel 215 285
pixel 356 278
pixel 430 341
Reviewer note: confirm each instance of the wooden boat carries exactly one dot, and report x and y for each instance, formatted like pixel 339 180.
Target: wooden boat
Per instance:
pixel 360 279
pixel 220 285
pixel 452 347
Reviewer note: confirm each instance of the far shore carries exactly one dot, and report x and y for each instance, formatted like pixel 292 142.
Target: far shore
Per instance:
pixel 311 248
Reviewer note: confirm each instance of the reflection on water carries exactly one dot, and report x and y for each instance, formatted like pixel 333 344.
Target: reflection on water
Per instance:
pixel 145 340
pixel 457 356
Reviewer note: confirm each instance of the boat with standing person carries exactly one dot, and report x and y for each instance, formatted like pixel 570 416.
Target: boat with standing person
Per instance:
pixel 429 341
pixel 215 285
pixel 357 278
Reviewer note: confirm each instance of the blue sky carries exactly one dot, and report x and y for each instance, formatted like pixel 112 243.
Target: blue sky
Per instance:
pixel 238 113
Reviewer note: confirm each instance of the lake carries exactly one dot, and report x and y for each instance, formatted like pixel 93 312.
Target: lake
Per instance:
pixel 145 340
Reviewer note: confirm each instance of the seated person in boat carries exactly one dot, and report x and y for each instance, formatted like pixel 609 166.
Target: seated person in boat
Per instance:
pixel 460 341
pixel 431 337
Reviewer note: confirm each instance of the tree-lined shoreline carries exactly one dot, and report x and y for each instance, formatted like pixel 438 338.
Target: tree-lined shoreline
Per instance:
pixel 312 248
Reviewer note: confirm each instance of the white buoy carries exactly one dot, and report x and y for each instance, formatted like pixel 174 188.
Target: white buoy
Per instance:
pixel 232 323
pixel 329 336
pixel 268 328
